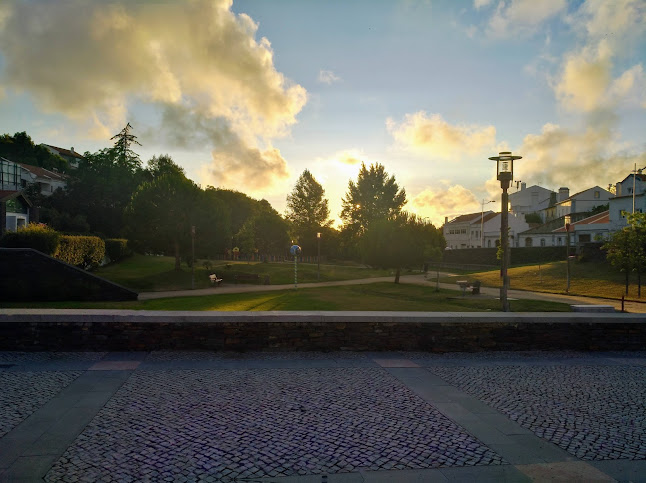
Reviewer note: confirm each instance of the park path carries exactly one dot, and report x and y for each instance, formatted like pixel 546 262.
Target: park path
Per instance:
pixel 630 306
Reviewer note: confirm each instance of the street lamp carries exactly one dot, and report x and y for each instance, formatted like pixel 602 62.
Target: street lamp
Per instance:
pixel 568 220
pixel 318 258
pixel 505 174
pixel 482 221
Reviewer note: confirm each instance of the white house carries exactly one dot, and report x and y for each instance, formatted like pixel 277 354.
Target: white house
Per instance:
pixel 73 158
pixel 624 198
pixel 553 233
pixel 516 223
pixel 48 181
pixel 465 231
pixel 580 202
pixel 530 200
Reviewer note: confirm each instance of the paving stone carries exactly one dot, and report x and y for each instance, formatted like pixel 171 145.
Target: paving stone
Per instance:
pixel 592 412
pixel 264 422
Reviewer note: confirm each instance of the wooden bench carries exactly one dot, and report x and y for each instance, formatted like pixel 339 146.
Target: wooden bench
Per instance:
pixel 246 277
pixel 214 279
pixel 473 287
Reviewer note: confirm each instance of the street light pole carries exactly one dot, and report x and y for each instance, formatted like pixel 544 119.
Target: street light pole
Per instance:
pixel 568 220
pixel 192 257
pixel 318 257
pixel 505 174
pixel 482 222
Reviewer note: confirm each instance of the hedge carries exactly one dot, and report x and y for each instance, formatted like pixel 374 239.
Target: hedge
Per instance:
pixel 85 252
pixel 519 255
pixel 117 248
pixel 35 235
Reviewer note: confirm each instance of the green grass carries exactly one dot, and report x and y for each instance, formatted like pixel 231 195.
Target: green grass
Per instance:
pixel 152 274
pixel 376 296
pixel 586 278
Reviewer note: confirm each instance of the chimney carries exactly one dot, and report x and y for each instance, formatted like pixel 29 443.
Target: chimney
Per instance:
pixel 618 189
pixel 523 185
pixel 564 193
pixel 446 220
pixel 72 149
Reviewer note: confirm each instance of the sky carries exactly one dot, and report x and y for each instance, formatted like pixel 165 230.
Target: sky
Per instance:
pixel 248 94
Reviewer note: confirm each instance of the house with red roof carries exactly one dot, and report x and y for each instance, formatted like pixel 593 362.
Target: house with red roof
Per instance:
pixel 72 157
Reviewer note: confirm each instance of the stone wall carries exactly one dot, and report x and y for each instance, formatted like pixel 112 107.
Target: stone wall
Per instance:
pixel 321 332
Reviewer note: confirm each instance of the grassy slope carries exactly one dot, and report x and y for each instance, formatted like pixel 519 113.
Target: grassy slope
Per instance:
pixel 150 273
pixel 591 279
pixel 377 296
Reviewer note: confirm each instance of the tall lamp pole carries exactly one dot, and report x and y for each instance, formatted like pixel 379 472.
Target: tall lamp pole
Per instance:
pixel 482 221
pixel 505 174
pixel 568 220
pixel 318 257
pixel 192 257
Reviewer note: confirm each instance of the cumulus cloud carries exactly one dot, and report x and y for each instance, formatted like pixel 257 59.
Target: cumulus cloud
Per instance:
pixel 478 4
pixel 588 80
pixel 164 53
pixel 450 200
pixel 434 136
pixel 328 77
pixel 583 158
pixel 516 17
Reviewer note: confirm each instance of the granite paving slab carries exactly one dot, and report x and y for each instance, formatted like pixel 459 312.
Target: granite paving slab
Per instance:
pixel 592 412
pixel 22 393
pixel 225 425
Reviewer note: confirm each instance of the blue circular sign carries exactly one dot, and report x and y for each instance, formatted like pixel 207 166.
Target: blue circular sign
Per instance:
pixel 295 250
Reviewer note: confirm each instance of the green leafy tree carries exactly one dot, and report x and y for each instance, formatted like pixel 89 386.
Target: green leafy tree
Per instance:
pixel 20 148
pixel 265 232
pixel 307 211
pixel 160 165
pixel 626 249
pixel 374 196
pixel 400 241
pixel 123 142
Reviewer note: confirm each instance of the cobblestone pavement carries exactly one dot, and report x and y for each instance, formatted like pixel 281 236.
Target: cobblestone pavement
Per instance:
pixel 22 393
pixel 258 423
pixel 303 417
pixel 594 413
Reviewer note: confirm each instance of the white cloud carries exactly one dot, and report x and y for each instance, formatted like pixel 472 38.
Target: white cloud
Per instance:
pixel 516 17
pixel 328 77
pixel 433 136
pixel 559 156
pixel 179 54
pixel 450 200
pixel 478 4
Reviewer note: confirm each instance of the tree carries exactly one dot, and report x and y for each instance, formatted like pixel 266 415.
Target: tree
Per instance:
pixel 373 197
pixel 626 249
pixel 265 232
pixel 123 150
pixel 161 165
pixel 20 148
pixel 400 241
pixel 307 211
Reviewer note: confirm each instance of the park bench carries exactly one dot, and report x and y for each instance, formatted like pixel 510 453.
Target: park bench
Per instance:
pixel 473 287
pixel 246 277
pixel 214 279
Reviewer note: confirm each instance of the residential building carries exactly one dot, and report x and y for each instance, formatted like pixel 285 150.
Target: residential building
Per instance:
pixel 530 200
pixel 14 210
pixel 581 202
pixel 583 229
pixel 625 198
pixel 48 181
pixel 72 157
pixel 464 231
pixel 516 223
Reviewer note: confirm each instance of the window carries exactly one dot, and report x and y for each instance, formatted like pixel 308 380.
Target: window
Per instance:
pixel 528 242
pixel 489 243
pixel 597 194
pixel 559 241
pixel 542 242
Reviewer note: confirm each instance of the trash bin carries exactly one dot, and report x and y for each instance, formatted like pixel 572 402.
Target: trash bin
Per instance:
pixel 476 287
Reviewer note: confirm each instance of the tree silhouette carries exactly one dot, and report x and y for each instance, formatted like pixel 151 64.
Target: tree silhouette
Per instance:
pixel 123 150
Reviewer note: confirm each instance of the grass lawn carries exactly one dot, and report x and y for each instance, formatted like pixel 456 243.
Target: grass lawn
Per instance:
pixel 375 296
pixel 586 278
pixel 152 274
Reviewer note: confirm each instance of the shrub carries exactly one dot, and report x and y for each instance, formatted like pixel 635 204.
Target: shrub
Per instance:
pixel 85 252
pixel 35 235
pixel 117 248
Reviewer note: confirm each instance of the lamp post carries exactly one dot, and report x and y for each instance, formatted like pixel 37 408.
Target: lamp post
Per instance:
pixel 192 257
pixel 568 220
pixel 505 174
pixel 318 257
pixel 482 221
